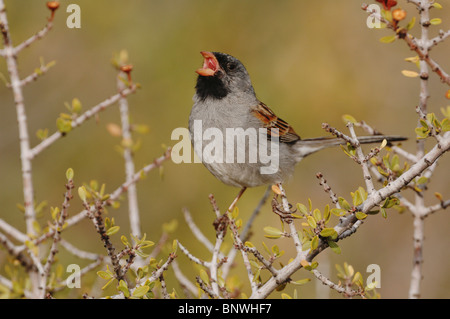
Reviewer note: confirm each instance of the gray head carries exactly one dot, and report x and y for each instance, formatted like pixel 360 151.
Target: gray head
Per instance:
pixel 221 74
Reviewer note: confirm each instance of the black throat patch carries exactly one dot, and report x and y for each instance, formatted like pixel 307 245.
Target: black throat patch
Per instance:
pixel 211 87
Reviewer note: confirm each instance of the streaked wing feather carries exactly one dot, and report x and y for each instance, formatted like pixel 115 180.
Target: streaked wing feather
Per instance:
pixel 270 121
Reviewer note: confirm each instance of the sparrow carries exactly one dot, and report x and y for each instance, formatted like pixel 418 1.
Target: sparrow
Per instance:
pixel 225 99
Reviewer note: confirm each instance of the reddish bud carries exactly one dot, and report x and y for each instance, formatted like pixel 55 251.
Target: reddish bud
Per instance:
pixel 126 68
pixel 53 5
pixel 399 14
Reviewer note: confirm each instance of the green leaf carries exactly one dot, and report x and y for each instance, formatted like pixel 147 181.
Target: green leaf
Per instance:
pixel 338 211
pixel 334 246
pixel 111 231
pixel 328 232
pixel 123 288
pixel 437 5
pixel 388 39
pixel 358 279
pixel 42 134
pixel 104 274
pixel 76 106
pixel 314 242
pixel 436 21
pixel 235 213
pixel 82 193
pixel 327 214
pixel 410 74
pixel 108 283
pixel 140 291
pixel 69 174
pixel 422 180
pixel 422 132
pixel 357 199
pixel 272 232
pixel 317 215
pixel 311 221
pixel 445 125
pixel 360 215
pixel 390 202
pixel 348 118
pixel 174 246
pixel 344 204
pixel 124 240
pixel 383 212
pixel 387 14
pixel 249 244
pixel 55 212
pixel 64 125
pixel 302 209
pixel 411 23
pixel 204 276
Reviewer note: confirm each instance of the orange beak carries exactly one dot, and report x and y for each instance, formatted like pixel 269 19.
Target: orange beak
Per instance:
pixel 210 64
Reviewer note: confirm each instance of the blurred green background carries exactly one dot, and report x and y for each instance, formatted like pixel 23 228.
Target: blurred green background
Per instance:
pixel 310 61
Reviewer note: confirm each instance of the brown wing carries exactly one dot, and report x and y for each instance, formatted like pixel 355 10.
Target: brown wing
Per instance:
pixel 270 121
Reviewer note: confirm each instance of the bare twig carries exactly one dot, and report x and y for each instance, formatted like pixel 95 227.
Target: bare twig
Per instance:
pixel 133 208
pixel 27 178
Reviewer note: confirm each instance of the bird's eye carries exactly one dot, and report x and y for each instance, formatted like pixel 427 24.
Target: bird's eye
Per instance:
pixel 231 66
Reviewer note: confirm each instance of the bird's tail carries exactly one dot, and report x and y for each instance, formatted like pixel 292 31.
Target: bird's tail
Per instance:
pixel 312 145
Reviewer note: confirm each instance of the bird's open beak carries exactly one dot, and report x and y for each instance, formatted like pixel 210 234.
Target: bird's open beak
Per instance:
pixel 210 64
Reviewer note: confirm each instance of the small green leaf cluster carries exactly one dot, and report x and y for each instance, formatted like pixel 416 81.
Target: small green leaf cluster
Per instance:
pixel 64 121
pixel 130 249
pixel 433 124
pixel 110 226
pixel 273 254
pixel 389 167
pixel 315 227
pixel 93 191
pixel 139 244
pixel 355 281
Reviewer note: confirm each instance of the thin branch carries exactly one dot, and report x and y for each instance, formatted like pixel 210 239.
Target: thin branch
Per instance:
pixel 339 134
pixel 440 38
pixel 294 234
pixel 12 231
pixel 192 257
pixel 56 237
pixel 158 273
pixel 78 252
pixel 80 120
pixel 238 244
pixel 338 288
pixel 39 35
pixel 245 232
pixel 183 280
pixel 33 77
pixel 97 220
pixel 196 231
pixel 113 196
pixel 432 209
pixel 27 178
pixel 327 189
pixel 17 253
pixel 362 161
pixel 133 208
